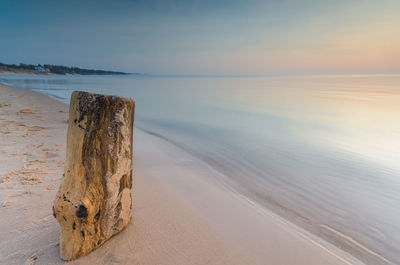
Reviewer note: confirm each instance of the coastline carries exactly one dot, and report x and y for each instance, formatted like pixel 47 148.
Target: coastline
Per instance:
pixel 181 214
pixel 24 72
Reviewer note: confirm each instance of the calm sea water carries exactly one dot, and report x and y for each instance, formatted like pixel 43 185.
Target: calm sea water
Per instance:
pixel 322 151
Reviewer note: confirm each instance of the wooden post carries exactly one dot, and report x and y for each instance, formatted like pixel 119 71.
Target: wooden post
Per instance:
pixel 94 201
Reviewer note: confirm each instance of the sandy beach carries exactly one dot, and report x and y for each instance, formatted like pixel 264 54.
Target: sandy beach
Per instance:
pixel 181 214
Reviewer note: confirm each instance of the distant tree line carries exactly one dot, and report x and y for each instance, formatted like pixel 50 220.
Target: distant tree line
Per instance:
pixel 55 69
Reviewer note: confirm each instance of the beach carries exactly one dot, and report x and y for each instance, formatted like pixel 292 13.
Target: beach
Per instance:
pixel 264 132
pixel 181 213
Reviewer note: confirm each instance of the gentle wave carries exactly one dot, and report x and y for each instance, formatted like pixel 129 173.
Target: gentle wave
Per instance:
pixel 321 151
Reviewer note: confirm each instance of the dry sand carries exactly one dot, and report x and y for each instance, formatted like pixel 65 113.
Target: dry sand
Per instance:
pixel 184 213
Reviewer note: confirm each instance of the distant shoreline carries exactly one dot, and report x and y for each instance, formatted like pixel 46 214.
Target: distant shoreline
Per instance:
pixel 24 72
pixel 38 73
pixel 48 69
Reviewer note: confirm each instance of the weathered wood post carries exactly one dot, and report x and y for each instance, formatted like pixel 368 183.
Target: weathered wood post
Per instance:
pixel 94 201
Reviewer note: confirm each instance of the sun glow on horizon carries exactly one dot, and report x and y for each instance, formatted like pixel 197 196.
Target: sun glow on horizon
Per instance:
pixel 207 37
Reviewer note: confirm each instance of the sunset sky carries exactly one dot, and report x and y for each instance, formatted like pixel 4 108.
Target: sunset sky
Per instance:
pixel 205 37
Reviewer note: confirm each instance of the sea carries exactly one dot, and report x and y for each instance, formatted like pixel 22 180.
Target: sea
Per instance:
pixel 321 151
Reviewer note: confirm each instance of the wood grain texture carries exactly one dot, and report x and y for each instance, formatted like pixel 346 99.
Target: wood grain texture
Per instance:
pixel 94 201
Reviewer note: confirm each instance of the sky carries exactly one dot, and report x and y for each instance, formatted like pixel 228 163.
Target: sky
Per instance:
pixel 205 37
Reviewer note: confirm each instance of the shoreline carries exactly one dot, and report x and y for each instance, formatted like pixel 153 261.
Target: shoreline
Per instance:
pixel 26 72
pixel 175 200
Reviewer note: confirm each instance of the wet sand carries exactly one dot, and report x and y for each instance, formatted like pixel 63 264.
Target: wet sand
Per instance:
pixel 182 215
